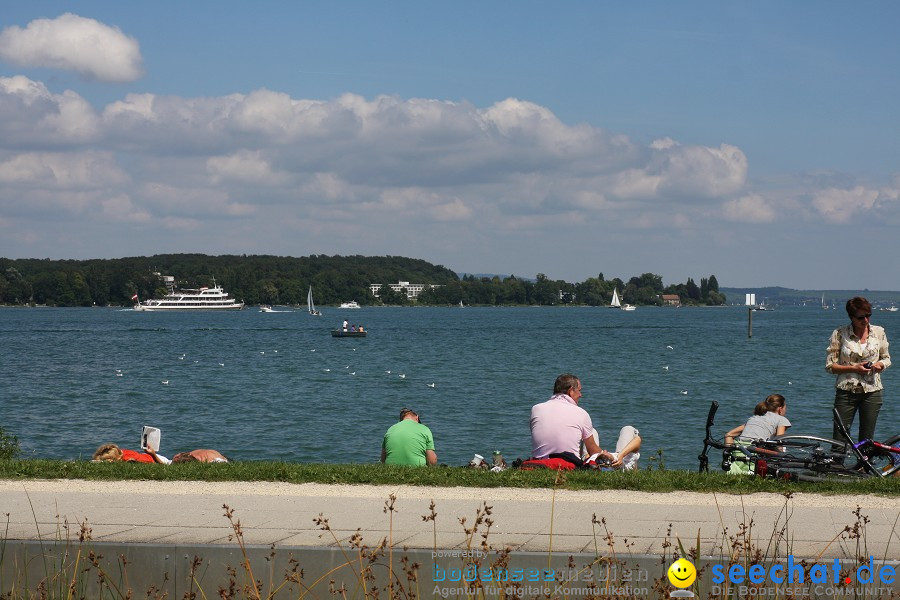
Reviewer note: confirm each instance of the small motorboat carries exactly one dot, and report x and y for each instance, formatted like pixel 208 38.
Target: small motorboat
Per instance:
pixel 348 333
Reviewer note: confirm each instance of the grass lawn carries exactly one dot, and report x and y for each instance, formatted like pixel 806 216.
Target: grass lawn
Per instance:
pixel 376 474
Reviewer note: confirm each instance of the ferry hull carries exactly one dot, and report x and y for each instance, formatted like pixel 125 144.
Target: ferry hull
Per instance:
pixel 214 298
pixel 144 308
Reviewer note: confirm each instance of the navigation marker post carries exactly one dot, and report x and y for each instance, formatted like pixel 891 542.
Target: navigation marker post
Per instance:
pixel 750 301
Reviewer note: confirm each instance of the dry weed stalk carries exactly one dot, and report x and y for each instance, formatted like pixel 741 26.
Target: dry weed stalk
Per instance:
pixel 82 564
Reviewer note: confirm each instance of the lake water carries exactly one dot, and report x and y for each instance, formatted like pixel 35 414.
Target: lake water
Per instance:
pixel 277 386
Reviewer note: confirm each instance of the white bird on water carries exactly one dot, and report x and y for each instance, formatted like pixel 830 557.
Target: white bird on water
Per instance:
pixel 402 376
pixel 353 372
pixel 165 382
pixel 684 392
pixel 221 364
pixel 327 370
pixel 665 367
pixel 431 385
pixel 388 372
pixel 670 347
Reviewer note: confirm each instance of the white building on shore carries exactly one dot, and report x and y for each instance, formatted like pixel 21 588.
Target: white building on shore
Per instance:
pixel 412 290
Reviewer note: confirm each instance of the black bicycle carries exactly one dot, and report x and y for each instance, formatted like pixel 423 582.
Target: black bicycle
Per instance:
pixel 731 453
pixel 806 457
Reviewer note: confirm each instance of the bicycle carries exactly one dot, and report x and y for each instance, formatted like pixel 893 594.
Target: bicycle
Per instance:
pixel 806 457
pixel 730 452
pixel 813 458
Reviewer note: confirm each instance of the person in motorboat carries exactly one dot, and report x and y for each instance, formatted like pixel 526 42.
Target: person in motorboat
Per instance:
pixel 560 428
pixel 408 442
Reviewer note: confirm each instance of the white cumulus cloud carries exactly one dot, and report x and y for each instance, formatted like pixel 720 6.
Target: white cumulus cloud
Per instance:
pixel 751 208
pixel 840 205
pixel 73 43
pixel 416 171
pixel 82 170
pixel 245 166
pixel 30 115
pixel 700 170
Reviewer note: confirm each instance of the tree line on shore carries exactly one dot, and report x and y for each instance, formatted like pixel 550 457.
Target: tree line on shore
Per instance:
pixel 262 279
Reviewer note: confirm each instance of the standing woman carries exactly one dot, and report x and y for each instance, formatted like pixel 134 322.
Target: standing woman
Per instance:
pixel 857 354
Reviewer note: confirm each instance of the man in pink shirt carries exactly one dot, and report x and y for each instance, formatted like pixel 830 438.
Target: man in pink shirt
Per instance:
pixel 559 426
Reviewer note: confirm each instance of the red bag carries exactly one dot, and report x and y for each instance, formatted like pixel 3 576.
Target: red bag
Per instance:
pixel 557 464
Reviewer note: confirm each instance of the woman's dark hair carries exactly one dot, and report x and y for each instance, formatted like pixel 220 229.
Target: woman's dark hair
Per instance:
pixel 761 409
pixel 857 304
pixel 774 402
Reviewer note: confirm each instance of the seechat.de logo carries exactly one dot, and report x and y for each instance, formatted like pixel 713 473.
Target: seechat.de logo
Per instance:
pixel 794 572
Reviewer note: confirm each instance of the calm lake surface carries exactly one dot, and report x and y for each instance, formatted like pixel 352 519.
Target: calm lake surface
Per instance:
pixel 277 386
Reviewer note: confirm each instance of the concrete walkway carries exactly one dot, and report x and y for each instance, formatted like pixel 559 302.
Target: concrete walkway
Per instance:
pixel 140 512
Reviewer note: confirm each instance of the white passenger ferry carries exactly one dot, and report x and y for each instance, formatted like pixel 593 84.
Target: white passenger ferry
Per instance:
pixel 206 298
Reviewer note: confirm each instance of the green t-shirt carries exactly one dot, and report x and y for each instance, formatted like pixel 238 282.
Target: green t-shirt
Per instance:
pixel 405 443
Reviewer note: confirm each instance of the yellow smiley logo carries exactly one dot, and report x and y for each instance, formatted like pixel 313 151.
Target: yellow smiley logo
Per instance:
pixel 682 573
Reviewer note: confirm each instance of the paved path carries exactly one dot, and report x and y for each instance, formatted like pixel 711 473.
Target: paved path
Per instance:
pixel 283 514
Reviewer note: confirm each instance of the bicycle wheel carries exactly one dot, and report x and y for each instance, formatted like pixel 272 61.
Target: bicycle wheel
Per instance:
pixel 805 458
pixel 813 441
pixel 806 475
pixel 816 451
pixel 884 460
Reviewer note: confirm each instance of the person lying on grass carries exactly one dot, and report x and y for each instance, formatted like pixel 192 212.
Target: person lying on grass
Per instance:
pixel 112 453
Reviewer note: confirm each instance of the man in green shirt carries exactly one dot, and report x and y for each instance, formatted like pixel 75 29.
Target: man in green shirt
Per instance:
pixel 408 442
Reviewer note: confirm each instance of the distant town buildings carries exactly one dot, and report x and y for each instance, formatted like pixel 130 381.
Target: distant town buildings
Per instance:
pixel 412 290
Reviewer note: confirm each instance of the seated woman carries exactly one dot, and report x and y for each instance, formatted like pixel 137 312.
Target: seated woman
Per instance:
pixel 768 420
pixel 627 452
pixel 112 453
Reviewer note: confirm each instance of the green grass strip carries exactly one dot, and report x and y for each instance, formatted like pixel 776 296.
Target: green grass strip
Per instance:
pixel 375 474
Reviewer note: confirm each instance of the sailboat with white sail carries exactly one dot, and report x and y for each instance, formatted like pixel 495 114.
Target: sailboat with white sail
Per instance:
pixel 311 306
pixel 616 303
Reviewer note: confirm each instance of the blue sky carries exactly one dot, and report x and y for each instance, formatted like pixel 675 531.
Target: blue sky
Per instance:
pixel 754 141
